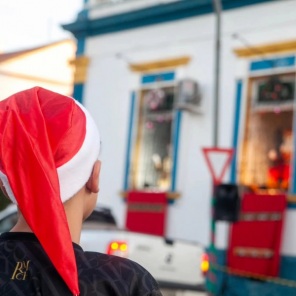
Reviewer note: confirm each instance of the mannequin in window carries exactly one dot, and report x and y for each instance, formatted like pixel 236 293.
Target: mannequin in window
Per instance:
pixel 279 170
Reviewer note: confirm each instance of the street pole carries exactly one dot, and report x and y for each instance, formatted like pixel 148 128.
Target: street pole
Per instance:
pixel 212 280
pixel 217 8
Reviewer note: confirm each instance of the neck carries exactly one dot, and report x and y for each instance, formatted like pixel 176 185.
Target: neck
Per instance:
pixel 74 215
pixel 21 225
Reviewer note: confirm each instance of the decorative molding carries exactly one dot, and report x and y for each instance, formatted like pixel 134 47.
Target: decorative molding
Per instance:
pixel 81 65
pixel 170 195
pixel 34 78
pixel 270 48
pixel 157 14
pixel 160 64
pixel 272 63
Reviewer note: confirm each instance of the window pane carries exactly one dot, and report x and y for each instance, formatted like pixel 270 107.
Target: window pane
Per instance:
pixel 268 141
pixel 153 161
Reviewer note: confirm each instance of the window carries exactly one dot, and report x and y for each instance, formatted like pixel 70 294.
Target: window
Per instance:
pixel 268 138
pixel 152 161
pixel 274 92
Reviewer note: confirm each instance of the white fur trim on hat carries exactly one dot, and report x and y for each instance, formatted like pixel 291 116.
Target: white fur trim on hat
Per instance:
pixel 74 174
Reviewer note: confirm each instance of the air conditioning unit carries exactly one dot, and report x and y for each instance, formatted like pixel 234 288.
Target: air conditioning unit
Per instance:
pixel 188 96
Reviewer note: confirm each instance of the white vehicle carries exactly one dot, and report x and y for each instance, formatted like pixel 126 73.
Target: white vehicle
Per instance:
pixel 174 264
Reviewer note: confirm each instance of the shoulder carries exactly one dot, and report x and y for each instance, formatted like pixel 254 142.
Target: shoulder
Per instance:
pixel 118 273
pixel 97 260
pixel 118 265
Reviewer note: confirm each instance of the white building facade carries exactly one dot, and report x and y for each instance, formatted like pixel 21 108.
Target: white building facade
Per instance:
pixel 131 58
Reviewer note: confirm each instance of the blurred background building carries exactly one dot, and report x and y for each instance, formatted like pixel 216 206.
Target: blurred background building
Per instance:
pixel 48 66
pixel 145 69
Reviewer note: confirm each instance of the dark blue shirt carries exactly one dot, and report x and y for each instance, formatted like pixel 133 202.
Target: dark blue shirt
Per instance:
pixel 25 270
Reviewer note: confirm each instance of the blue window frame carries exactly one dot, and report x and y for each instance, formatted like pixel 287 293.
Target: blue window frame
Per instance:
pixel 152 153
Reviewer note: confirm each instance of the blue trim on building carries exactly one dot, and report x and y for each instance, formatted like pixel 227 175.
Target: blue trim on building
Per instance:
pixel 240 286
pixel 229 285
pixel 176 136
pixel 238 99
pixel 129 141
pixel 168 76
pixel 267 64
pixel 80 46
pixel 288 268
pixel 291 206
pixel 158 77
pixel 79 87
pixel 152 15
pixel 83 14
pixel 78 92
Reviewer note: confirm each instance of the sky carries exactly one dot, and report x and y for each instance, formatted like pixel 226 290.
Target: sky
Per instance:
pixel 29 23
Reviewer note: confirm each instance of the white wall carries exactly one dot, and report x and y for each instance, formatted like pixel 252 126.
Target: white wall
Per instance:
pixel 110 83
pixel 103 8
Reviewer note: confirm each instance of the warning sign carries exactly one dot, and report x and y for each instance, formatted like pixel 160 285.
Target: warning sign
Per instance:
pixel 218 160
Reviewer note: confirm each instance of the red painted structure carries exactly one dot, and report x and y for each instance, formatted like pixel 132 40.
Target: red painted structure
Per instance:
pixel 146 212
pixel 255 240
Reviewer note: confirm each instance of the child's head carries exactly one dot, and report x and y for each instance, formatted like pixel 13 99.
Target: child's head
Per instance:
pixel 49 145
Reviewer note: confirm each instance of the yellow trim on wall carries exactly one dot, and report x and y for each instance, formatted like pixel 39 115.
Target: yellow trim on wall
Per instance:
pixel 81 65
pixel 34 78
pixel 160 64
pixel 270 48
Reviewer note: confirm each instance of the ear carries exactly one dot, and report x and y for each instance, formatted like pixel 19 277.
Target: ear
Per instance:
pixel 93 182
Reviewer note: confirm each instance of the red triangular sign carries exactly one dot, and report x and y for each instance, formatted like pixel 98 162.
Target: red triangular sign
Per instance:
pixel 218 160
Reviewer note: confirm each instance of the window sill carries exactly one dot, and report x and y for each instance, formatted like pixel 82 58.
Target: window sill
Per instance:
pixel 171 196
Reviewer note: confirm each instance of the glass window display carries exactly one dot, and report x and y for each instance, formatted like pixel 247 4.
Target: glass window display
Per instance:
pixel 266 153
pixel 152 159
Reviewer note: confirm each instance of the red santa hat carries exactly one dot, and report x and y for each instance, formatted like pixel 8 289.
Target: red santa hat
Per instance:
pixel 49 144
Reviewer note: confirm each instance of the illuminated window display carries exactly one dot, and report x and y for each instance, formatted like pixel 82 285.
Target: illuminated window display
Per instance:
pixel 267 147
pixel 152 159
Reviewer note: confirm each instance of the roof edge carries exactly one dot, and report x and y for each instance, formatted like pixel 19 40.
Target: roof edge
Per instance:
pixel 153 15
pixel 14 54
